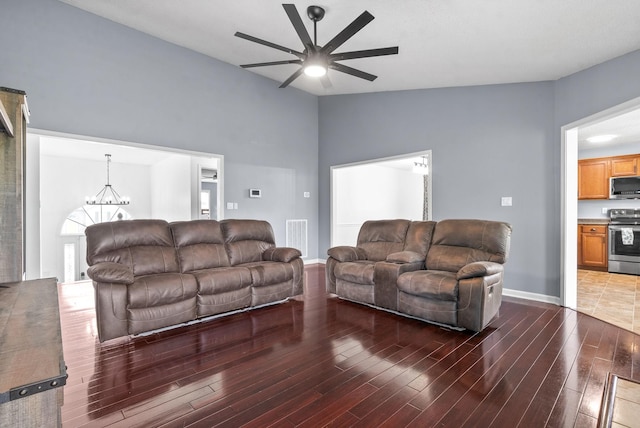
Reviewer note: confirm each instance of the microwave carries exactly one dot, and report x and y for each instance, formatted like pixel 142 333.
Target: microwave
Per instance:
pixel 624 187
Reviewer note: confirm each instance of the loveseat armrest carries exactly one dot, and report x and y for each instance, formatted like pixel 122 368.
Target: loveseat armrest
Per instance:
pixel 405 257
pixel 347 254
pixel 281 254
pixel 479 269
pixel 479 300
pixel 110 272
pixel 385 278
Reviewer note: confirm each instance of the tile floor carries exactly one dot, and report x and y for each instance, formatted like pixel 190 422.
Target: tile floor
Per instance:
pixel 626 406
pixel 611 297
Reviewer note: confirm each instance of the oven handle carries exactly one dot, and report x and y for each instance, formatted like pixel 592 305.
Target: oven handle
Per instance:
pixel 634 227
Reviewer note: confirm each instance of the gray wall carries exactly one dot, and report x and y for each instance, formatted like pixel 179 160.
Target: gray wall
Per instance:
pixel 89 76
pixel 487 142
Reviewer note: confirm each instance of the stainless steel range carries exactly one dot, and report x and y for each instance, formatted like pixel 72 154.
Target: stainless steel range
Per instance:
pixel 624 241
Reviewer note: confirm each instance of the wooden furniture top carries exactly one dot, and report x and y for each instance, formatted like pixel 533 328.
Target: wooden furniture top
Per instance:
pixel 31 358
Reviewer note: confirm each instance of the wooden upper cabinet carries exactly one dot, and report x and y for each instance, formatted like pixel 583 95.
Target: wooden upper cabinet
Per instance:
pixel 593 178
pixel 624 165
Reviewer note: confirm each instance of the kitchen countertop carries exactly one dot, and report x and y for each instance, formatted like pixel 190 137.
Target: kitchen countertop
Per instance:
pixel 593 221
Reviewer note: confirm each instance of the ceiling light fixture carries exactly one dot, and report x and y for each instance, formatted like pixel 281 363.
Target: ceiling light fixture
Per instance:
pixel 315 67
pixel 108 195
pixel 601 138
pixel 421 167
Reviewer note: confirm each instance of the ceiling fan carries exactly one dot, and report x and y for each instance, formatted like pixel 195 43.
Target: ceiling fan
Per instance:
pixel 315 60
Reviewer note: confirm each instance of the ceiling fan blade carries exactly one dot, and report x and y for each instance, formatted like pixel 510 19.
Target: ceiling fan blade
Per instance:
pixel 364 54
pixel 269 44
pixel 291 78
pixel 344 35
pixel 263 64
pixel 295 19
pixel 353 72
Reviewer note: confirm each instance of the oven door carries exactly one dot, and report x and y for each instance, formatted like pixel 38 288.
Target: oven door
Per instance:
pixel 624 243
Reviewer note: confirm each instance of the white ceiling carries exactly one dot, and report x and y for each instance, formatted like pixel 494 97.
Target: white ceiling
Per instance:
pixel 442 43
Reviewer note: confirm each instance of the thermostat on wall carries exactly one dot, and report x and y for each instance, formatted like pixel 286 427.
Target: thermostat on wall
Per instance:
pixel 255 193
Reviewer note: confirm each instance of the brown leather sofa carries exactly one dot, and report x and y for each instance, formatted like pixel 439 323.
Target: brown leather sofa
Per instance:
pixel 151 274
pixel 448 272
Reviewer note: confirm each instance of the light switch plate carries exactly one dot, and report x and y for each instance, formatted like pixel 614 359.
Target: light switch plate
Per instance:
pixel 506 201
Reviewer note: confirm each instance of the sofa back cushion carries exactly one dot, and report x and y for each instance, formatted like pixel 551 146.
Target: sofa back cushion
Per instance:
pixel 146 246
pixel 457 243
pixel 199 244
pixel 419 235
pixel 246 240
pixel 379 238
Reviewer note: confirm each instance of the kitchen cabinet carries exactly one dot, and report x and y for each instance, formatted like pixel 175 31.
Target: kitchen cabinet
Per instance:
pixel 624 166
pixel 593 178
pixel 592 246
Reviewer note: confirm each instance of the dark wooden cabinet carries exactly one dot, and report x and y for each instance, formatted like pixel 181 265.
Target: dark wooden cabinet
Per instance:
pixel 13 131
pixel 592 246
pixel 32 367
pixel 593 178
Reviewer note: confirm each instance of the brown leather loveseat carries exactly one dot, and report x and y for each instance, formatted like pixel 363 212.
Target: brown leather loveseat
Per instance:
pixel 151 274
pixel 448 272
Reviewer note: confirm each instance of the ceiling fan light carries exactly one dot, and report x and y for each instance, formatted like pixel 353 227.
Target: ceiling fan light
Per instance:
pixel 315 70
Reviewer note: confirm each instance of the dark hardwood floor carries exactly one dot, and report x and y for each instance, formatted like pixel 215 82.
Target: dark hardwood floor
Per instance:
pixel 320 361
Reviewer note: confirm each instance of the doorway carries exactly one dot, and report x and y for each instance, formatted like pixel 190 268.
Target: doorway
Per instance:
pixel 64 171
pixel 393 187
pixel 573 146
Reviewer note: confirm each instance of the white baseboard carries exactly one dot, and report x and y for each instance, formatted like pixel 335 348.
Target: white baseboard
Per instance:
pixel 531 296
pixel 314 261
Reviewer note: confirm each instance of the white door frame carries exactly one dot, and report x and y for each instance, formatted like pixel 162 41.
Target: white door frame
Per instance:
pixel 569 196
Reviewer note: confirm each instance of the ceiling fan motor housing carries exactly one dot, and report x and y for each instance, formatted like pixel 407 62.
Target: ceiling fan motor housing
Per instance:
pixel 315 13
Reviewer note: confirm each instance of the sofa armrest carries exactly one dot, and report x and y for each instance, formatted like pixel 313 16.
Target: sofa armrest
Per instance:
pixel 347 254
pixel 479 269
pixel 281 254
pixel 109 272
pixel 405 257
pixel 385 282
pixel 479 300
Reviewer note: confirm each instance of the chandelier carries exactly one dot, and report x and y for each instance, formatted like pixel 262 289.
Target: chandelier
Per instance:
pixel 108 195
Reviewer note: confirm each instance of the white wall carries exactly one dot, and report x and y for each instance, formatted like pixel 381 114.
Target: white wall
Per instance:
pixel 373 192
pixel 171 188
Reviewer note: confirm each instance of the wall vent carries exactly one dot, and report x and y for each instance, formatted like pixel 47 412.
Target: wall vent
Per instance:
pixel 297 235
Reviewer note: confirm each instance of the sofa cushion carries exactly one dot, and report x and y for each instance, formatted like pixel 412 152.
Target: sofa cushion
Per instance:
pixel 220 280
pixel 440 285
pixel 145 246
pixel 199 244
pixel 379 238
pixel 161 289
pixel 267 273
pixel 360 272
pixel 457 243
pixel 246 240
